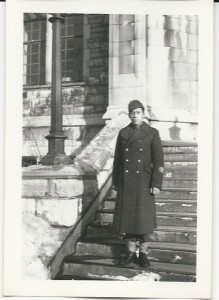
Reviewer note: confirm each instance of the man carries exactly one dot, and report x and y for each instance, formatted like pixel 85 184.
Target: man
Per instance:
pixel 137 177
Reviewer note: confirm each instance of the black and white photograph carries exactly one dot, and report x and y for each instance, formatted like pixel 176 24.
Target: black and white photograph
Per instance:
pixel 111 149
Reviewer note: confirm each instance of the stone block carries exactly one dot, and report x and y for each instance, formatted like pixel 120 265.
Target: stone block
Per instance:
pixel 114 33
pixel 35 187
pixel 92 19
pixel 99 28
pixel 126 48
pixel 96 62
pixel 159 53
pixel 126 64
pixel 123 18
pixel 66 188
pixel 172 23
pixel 92 44
pixel 58 212
pixel 176 39
pixel 102 36
pixel 104 46
pixel 167 69
pixel 97 54
pixel 29 205
pixel 127 32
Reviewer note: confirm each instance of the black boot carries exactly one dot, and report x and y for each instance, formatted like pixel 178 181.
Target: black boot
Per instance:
pixel 143 260
pixel 130 257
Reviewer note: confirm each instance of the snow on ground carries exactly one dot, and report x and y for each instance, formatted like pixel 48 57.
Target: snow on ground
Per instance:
pixel 39 243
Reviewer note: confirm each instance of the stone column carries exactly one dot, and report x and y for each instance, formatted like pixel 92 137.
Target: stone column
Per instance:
pixel 56 138
pixel 127 53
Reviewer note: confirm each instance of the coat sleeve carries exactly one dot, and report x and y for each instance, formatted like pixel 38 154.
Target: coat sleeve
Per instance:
pixel 117 163
pixel 157 161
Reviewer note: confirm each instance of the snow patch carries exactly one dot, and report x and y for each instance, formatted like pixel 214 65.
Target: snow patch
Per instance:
pixel 39 243
pixel 168 174
pixel 176 258
pixel 186 218
pixel 189 205
pixel 160 204
pixel 145 276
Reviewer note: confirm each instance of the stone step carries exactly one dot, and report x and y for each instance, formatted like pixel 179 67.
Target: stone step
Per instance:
pixel 179 144
pixel 162 205
pixel 165 234
pixel 175 193
pixel 180 149
pixel 170 182
pixel 108 268
pixel 177 173
pixel 181 157
pixel 181 165
pixel 160 254
pixel 163 218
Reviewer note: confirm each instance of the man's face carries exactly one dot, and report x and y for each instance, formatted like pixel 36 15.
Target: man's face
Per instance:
pixel 136 116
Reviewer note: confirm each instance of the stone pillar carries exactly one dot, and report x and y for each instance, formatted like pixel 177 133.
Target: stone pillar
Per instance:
pixel 127 52
pixel 56 138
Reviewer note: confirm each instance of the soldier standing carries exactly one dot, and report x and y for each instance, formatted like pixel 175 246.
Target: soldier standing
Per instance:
pixel 137 177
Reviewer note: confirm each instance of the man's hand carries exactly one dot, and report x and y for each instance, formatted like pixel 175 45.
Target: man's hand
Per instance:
pixel 113 191
pixel 154 191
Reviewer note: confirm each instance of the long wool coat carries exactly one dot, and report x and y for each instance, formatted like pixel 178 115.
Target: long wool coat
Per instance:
pixel 138 166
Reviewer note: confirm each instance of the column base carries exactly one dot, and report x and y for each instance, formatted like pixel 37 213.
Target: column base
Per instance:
pixel 52 159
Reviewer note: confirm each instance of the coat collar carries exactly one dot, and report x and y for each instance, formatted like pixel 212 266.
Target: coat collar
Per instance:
pixel 130 135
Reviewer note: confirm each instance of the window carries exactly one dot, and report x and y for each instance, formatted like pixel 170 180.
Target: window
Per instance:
pixel 72 45
pixel 34 51
pixel 35 33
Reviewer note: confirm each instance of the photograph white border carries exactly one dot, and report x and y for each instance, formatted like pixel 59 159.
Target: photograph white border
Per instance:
pixel 13 284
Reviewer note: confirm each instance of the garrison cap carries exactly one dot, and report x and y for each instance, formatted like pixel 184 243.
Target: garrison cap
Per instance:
pixel 135 104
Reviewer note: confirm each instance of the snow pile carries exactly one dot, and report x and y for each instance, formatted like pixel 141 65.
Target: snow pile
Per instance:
pixel 39 243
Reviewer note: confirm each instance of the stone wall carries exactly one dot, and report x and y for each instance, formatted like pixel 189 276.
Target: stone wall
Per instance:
pixel 172 62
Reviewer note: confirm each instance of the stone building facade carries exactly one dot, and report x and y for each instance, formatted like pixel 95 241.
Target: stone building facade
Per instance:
pixel 108 60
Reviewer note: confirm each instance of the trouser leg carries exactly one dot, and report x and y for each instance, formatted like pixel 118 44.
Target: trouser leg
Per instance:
pixel 131 245
pixel 143 247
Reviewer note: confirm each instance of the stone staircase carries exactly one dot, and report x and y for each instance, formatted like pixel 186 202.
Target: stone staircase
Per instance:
pixel 173 248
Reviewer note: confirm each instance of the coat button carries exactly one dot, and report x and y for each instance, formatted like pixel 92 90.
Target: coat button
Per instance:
pixel 126 171
pixel 137 171
pixel 141 149
pixel 139 160
pixel 127 160
pixel 126 149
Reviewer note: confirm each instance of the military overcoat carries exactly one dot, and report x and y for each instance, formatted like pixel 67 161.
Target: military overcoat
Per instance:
pixel 138 166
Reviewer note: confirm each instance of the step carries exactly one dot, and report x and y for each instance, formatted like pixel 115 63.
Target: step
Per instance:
pixel 171 182
pixel 179 144
pixel 155 254
pixel 162 205
pixel 179 173
pixel 180 149
pixel 176 193
pixel 108 268
pixel 181 157
pixel 181 165
pixel 163 218
pixel 165 234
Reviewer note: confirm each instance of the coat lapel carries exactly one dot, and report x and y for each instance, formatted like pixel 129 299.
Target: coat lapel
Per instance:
pixel 131 135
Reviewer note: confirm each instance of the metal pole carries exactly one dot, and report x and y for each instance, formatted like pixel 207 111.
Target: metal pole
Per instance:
pixel 56 138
